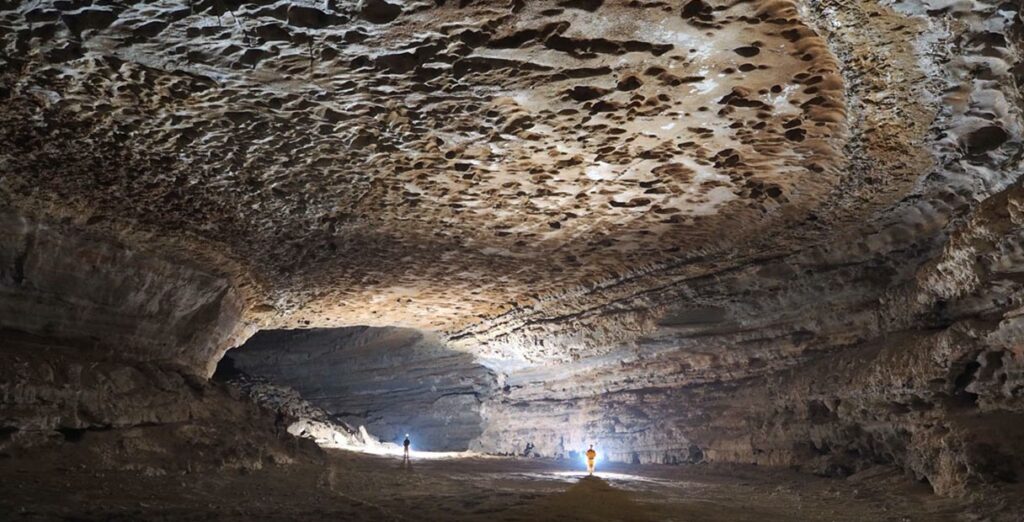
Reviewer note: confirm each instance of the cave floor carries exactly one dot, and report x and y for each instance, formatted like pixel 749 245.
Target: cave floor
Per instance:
pixel 351 486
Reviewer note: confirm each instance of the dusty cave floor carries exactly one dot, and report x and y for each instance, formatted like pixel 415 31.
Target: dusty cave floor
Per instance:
pixel 352 486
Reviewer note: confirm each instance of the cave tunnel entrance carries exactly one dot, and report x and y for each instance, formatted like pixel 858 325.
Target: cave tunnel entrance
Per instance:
pixel 371 385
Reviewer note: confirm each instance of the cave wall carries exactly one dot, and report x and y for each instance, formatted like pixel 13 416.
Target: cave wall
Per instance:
pixel 62 282
pixel 928 377
pixel 105 352
pixel 64 405
pixel 393 381
pixel 941 397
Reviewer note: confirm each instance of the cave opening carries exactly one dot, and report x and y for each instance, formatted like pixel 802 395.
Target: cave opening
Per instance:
pixel 365 388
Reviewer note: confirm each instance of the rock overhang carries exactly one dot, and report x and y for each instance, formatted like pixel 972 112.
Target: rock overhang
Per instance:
pixel 432 167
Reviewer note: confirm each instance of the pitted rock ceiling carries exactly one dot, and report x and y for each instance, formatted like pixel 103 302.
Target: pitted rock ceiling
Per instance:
pixel 428 163
pixel 482 168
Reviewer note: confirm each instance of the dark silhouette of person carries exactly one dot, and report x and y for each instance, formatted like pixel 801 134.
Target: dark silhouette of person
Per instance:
pixel 279 423
pixel 406 444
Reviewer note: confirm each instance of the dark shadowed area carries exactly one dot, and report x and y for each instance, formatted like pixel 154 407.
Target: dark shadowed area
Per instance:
pixel 393 381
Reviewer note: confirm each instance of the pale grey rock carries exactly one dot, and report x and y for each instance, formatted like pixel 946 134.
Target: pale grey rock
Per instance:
pixel 93 291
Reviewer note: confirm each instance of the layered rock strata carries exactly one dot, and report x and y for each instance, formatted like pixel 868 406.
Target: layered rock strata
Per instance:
pixel 295 414
pixel 927 377
pixel 393 381
pixel 68 406
pixel 120 302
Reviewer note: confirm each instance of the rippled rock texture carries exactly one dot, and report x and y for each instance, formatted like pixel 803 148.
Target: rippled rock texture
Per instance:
pixel 772 232
pixel 433 162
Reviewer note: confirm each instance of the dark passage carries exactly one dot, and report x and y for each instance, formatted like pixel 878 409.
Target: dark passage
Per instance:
pixel 393 381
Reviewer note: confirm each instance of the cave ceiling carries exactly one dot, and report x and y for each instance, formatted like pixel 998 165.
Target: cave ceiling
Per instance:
pixel 438 164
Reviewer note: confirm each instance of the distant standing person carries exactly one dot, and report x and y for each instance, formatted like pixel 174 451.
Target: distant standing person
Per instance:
pixel 406 444
pixel 591 457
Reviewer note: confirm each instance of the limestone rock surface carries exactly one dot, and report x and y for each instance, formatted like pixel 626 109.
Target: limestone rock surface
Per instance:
pixel 779 232
pixel 126 303
pixel 435 163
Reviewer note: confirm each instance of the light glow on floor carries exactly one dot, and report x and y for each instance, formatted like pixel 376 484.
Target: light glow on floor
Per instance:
pixel 394 450
pixel 604 475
